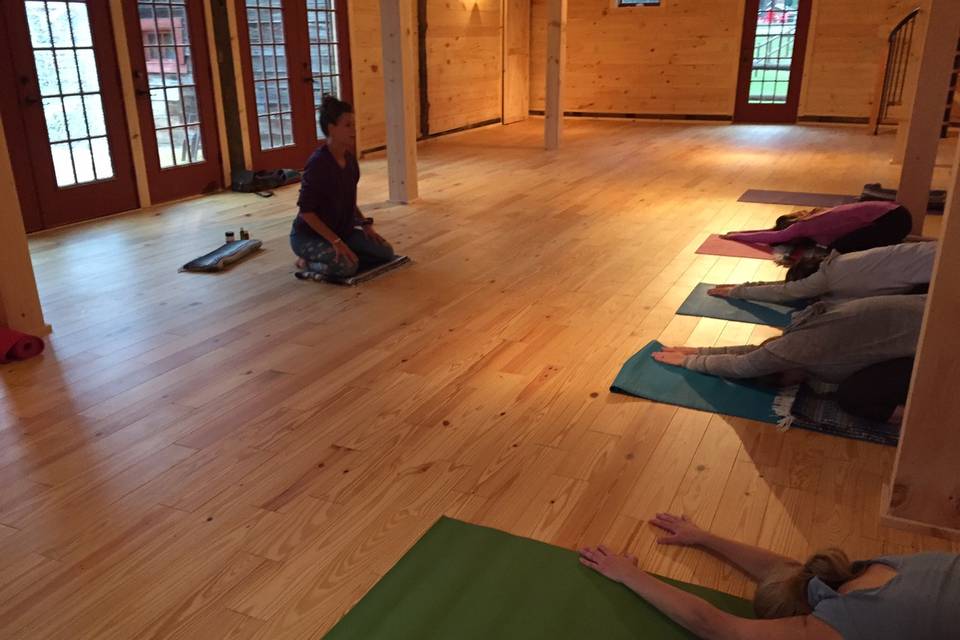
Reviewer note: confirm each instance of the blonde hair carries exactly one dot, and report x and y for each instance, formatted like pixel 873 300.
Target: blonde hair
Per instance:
pixel 783 593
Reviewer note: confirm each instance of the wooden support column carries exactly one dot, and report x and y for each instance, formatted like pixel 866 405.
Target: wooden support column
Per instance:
pixel 556 65
pixel 400 97
pixel 926 114
pixel 19 301
pixel 926 476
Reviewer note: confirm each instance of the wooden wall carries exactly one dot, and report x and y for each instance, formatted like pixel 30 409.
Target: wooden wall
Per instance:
pixel 847 44
pixel 464 54
pixel 516 68
pixel 680 58
pixel 464 60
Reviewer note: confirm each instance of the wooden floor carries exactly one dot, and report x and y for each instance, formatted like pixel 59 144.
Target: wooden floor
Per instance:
pixel 243 455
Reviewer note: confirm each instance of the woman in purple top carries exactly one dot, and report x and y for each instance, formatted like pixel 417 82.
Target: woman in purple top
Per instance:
pixel 857 226
pixel 826 598
pixel 330 235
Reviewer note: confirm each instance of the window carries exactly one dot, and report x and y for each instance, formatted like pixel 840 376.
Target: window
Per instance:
pixel 773 51
pixel 638 3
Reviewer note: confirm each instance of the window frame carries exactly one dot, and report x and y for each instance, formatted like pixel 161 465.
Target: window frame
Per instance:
pixel 660 4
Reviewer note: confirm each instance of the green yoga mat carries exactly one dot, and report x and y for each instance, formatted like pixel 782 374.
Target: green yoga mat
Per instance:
pixel 464 582
pixel 644 377
pixel 700 303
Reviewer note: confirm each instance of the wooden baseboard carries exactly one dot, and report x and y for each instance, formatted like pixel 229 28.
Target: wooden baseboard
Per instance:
pixel 706 117
pixel 834 119
pixel 467 127
pixel 919 527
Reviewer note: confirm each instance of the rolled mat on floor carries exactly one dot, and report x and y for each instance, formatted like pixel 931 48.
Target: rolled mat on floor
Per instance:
pixel 222 257
pixel 701 304
pixel 465 582
pixel 16 345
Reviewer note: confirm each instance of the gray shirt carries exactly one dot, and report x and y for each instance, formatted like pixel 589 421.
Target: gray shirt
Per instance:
pixel 922 602
pixel 826 341
pixel 875 272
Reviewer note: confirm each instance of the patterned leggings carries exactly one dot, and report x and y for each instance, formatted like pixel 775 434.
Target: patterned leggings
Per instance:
pixel 321 257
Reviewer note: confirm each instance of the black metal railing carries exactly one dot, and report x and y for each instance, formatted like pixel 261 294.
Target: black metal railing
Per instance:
pixel 895 74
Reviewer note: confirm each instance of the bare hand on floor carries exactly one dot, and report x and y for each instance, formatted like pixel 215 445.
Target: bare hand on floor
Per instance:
pixel 721 291
pixel 680 531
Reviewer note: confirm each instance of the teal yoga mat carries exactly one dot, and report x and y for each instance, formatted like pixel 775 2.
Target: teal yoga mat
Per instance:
pixel 644 377
pixel 465 582
pixel 700 303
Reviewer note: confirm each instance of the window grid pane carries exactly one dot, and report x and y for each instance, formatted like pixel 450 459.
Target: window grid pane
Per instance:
pixel 69 84
pixel 271 82
pixel 324 61
pixel 773 51
pixel 168 55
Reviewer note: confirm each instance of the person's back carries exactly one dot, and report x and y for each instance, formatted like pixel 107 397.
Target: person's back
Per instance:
pixel 826 341
pixel 831 341
pixel 881 271
pixel 921 602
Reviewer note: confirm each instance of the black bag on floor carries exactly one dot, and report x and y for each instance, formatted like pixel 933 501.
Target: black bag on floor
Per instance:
pixel 254 181
pixel 875 191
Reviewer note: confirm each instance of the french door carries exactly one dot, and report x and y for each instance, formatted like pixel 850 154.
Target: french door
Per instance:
pixel 64 115
pixel 771 60
pixel 172 82
pixel 294 52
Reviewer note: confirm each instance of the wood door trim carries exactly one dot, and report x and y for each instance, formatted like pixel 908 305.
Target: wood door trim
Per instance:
pixel 260 158
pixel 177 182
pixel 17 143
pixel 76 203
pixel 766 113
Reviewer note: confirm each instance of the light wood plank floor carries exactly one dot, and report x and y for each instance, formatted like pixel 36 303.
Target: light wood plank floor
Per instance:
pixel 243 455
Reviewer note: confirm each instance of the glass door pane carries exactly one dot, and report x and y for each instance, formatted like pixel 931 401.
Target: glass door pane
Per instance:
pixel 69 84
pixel 324 45
pixel 773 50
pixel 169 61
pixel 271 77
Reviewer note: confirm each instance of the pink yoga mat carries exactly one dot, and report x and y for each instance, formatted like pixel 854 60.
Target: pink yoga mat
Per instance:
pixel 15 345
pixel 717 246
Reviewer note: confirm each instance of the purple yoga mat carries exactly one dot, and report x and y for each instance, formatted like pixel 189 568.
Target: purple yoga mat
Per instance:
pixel 717 246
pixel 799 198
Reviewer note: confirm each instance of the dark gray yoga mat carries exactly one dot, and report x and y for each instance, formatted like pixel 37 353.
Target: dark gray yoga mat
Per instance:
pixel 701 304
pixel 365 273
pixel 800 198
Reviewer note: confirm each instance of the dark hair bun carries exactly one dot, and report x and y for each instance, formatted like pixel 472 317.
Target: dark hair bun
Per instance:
pixel 331 108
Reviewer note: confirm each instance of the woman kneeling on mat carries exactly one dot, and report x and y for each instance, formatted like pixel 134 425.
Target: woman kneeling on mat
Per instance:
pixel 899 268
pixel 330 235
pixel 857 226
pixel 843 343
pixel 827 598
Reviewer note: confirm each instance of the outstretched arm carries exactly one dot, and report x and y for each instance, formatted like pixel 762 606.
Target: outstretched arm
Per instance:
pixel 693 613
pixel 756 562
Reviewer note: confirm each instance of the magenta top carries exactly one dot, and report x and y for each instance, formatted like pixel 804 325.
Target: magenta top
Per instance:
pixel 824 228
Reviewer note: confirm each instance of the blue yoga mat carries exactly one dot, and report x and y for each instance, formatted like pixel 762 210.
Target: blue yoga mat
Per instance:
pixel 644 377
pixel 700 303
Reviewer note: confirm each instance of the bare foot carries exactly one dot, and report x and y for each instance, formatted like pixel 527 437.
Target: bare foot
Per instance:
pixel 301 264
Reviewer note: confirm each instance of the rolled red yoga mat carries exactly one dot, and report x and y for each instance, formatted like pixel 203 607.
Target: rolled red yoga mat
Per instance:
pixel 16 345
